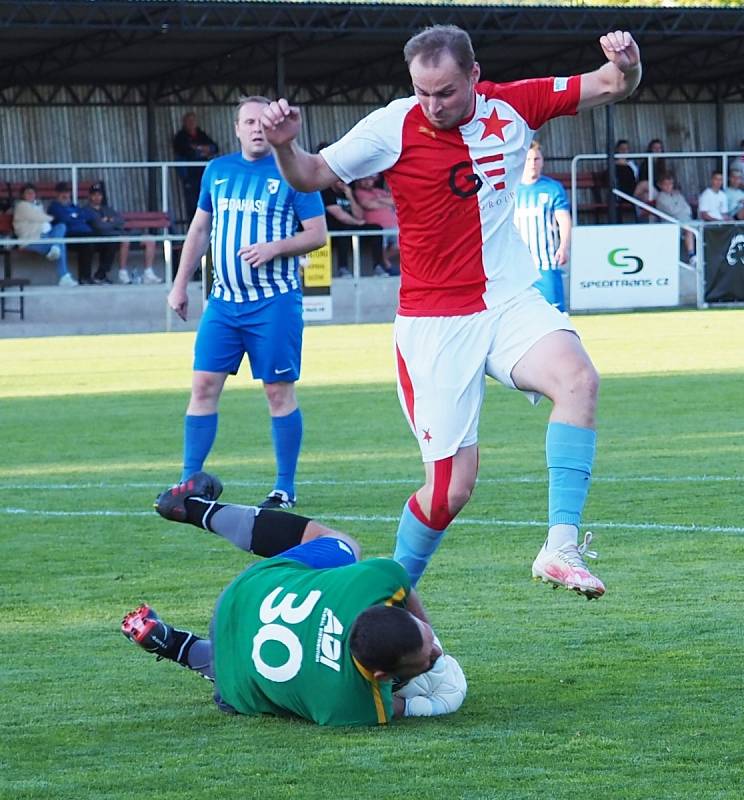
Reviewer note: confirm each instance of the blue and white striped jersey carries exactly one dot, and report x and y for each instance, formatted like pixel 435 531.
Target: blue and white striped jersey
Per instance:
pixel 534 216
pixel 250 202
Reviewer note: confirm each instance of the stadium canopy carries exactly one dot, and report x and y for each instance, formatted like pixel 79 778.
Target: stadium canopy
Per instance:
pixel 145 51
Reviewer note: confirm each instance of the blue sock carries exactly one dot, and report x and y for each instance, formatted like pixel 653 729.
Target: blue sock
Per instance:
pixel 286 433
pixel 415 544
pixel 199 434
pixel 570 454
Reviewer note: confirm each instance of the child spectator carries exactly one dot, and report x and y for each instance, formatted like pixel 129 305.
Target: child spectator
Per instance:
pixel 672 202
pixel 107 221
pixel 77 223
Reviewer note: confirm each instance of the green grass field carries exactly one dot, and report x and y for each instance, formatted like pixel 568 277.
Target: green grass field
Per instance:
pixel 638 695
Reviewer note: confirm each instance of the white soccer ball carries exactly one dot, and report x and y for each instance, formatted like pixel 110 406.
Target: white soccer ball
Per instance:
pixel 427 683
pixel 441 690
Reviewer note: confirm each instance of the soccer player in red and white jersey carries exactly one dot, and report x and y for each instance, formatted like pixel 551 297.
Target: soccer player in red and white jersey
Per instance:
pixel 453 156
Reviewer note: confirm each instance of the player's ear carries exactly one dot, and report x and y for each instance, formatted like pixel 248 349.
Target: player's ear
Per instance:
pixel 475 74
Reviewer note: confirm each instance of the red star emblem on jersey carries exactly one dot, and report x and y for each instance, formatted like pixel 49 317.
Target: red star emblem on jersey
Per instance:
pixel 494 126
pixel 427 435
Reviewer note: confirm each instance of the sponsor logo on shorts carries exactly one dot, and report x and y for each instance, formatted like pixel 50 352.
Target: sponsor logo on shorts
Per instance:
pixel 427 437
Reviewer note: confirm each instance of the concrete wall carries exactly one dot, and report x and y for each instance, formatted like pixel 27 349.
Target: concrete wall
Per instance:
pixel 54 311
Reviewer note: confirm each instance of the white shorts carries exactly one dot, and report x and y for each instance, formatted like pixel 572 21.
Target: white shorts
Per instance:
pixel 443 362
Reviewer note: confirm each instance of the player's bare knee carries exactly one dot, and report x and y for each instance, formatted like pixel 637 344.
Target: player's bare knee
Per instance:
pixel 458 498
pixel 205 395
pixel 586 383
pixel 578 386
pixel 281 398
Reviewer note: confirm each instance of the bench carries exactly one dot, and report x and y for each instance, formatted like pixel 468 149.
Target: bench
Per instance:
pixel 133 221
pixel 592 192
pixel 12 283
pixel 6 232
pixel 590 188
pixel 146 220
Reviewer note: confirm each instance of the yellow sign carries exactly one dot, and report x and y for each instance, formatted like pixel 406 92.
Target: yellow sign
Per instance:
pixel 317 270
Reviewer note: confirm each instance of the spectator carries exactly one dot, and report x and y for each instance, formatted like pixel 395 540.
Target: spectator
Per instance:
pixel 738 162
pixel 672 202
pixel 378 206
pixel 105 221
pixel 642 190
pixel 543 218
pixel 77 222
pixel 30 221
pixel 712 204
pixel 343 213
pixel 191 143
pixel 149 275
pixel 626 171
pixel 735 195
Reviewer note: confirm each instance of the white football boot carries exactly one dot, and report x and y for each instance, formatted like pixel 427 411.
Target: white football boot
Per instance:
pixel 565 566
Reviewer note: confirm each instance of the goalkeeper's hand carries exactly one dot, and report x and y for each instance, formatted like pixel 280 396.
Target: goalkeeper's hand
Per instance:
pixel 440 690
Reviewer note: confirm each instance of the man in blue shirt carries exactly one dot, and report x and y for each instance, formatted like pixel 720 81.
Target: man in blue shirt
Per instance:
pixel 252 216
pixel 542 215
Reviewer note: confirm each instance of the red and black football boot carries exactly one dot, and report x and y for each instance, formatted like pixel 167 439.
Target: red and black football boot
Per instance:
pixel 171 504
pixel 144 627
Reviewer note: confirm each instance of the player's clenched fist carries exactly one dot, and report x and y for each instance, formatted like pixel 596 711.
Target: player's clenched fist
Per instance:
pixel 621 49
pixel 281 122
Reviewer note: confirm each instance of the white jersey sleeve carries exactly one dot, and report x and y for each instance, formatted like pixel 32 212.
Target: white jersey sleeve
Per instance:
pixel 373 145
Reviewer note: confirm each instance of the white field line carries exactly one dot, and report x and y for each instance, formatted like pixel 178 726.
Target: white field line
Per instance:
pixel 413 481
pixel 377 518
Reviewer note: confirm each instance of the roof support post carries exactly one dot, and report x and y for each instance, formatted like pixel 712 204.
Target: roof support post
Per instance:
pixel 281 88
pixel 150 125
pixel 611 200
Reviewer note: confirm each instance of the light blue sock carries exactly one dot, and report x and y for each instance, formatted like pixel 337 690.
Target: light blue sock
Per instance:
pixel 199 433
pixel 570 454
pixel 415 544
pixel 286 433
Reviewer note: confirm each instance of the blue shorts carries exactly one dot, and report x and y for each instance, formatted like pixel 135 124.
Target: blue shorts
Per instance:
pixel 322 553
pixel 268 330
pixel 550 285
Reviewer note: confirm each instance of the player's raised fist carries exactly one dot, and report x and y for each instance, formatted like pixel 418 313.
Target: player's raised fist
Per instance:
pixel 281 122
pixel 621 49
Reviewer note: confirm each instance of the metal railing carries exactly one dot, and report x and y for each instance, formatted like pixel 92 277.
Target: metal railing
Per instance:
pixel 166 238
pixel 725 157
pixel 695 228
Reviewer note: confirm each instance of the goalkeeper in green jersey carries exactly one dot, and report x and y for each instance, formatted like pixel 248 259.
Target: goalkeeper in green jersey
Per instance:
pixel 311 631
